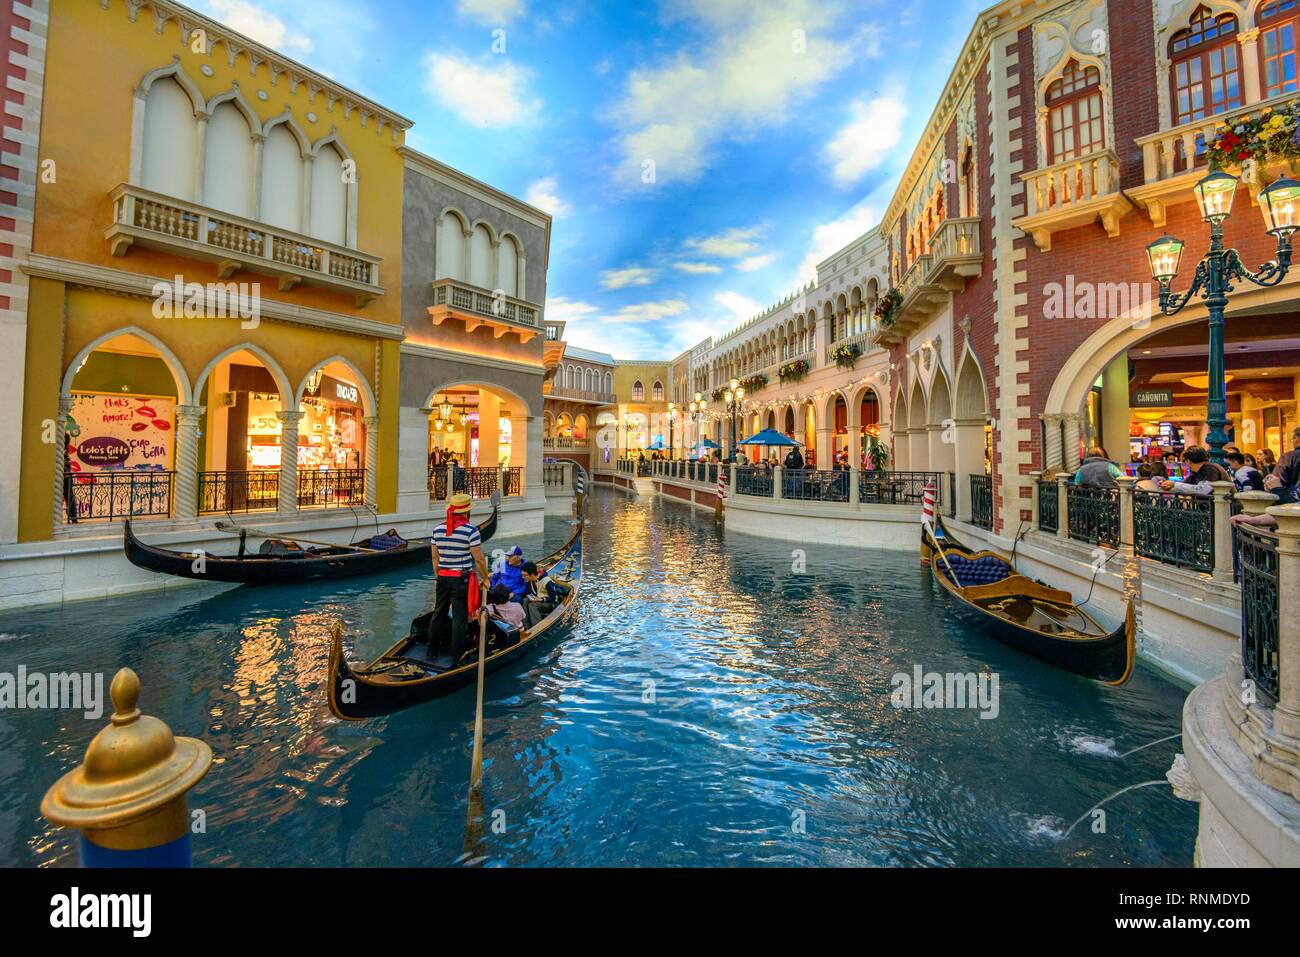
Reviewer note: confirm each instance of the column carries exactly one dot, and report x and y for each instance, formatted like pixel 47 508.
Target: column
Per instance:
pixel 413 493
pixel 1222 530
pixel 489 430
pixel 289 461
pixel 1034 498
pixel 1071 458
pixel 825 448
pixel 1052 450
pixel 855 438
pixel 61 460
pixel 902 461
pixel 1249 40
pixel 941 450
pixel 854 489
pixel 519 450
pixel 1126 517
pixel 534 483
pixel 778 484
pixel 1286 717
pixel 371 422
pixel 1062 506
pixel 188 417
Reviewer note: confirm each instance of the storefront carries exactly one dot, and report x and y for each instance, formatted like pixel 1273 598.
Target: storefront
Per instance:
pixel 331 435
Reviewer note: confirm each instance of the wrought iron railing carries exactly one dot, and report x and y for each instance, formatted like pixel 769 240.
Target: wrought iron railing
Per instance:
pixel 1175 529
pixel 981 501
pixel 1049 507
pixel 512 481
pixel 1093 514
pixel 438 483
pixel 109 495
pixel 1257 551
pixel 331 487
pixel 813 485
pixel 477 482
pixel 898 488
pixel 754 481
pixel 246 491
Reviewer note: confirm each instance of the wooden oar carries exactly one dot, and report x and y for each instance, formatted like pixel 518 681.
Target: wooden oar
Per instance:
pixel 258 533
pixel 474 821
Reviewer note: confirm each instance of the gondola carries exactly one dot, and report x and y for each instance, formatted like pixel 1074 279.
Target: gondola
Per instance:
pixel 276 564
pixel 1031 617
pixel 405 675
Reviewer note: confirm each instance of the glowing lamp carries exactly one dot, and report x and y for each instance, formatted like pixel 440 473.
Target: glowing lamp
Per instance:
pixel 1164 255
pixel 1214 195
pixel 1279 205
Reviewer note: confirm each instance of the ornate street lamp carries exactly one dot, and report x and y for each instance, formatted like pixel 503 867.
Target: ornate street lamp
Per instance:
pixel 1280 205
pixel 672 419
pixel 445 409
pixel 733 397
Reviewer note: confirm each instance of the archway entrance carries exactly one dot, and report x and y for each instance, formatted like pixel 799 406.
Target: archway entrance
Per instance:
pixel 239 451
pixel 478 441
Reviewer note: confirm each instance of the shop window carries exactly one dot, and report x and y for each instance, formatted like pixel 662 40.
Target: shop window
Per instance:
pixel 1075 127
pixel 1278 23
pixel 1206 68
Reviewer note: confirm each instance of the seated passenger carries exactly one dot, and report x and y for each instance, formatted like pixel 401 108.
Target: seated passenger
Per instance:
pixel 510 574
pixel 503 606
pixel 537 599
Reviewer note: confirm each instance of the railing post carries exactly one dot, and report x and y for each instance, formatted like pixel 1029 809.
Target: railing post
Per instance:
pixel 1286 716
pixel 1255 503
pixel 1035 498
pixel 1063 506
pixel 778 485
pixel 854 496
pixel 1222 530
pixel 1126 516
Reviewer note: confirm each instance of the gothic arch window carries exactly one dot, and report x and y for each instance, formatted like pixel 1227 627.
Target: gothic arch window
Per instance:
pixel 282 176
pixel 1279 25
pixel 329 197
pixel 171 139
pixel 638 391
pixel 1205 67
pixel 969 203
pixel 657 391
pixel 228 162
pixel 1074 115
pixel 609 383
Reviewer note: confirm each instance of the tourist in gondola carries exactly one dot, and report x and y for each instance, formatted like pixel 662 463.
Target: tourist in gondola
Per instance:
pixel 459 565
pixel 537 599
pixel 505 607
pixel 510 574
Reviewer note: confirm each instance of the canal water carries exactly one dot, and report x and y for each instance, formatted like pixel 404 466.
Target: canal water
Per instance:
pixel 723 700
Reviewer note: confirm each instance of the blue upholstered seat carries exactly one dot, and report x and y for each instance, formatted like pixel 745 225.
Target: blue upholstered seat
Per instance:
pixel 978 571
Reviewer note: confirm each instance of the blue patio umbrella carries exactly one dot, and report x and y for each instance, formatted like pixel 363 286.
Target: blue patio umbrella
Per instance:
pixel 657 447
pixel 768 437
pixel 709 444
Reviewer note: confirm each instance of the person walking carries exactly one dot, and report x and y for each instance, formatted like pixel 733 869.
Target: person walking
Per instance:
pixel 459 566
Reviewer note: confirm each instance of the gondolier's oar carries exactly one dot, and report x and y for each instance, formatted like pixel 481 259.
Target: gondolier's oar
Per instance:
pixel 258 533
pixel 474 820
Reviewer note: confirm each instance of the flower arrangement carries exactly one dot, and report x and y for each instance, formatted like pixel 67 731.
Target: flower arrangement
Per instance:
pixel 1273 135
pixel 846 356
pixel 887 308
pixel 793 371
pixel 754 382
pixel 718 395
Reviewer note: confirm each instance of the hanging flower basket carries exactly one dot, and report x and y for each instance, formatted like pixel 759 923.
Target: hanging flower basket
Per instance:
pixel 846 356
pixel 754 382
pixel 1271 137
pixel 793 371
pixel 887 308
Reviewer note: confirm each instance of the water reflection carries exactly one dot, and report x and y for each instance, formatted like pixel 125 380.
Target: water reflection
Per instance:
pixel 712 706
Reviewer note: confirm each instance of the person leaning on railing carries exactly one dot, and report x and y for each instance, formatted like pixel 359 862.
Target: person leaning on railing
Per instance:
pixel 1201 474
pixel 1098 471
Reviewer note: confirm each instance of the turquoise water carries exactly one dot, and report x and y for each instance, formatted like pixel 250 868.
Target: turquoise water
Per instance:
pixel 711 707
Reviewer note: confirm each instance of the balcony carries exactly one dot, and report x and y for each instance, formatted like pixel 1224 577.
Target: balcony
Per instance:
pixel 1075 193
pixel 922 297
pixel 581 395
pixel 154 221
pixel 1173 160
pixel 955 253
pixel 453 299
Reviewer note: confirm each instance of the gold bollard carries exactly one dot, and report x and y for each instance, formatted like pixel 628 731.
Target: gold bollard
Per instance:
pixel 128 797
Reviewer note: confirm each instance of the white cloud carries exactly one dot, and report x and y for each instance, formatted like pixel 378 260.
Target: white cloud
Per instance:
pixel 729 244
pixel 622 278
pixel 257 23
pixel 830 237
pixel 544 194
pixel 491 12
pixel 754 263
pixel 560 309
pixel 491 93
pixel 697 269
pixel 741 307
pixel 866 141
pixel 641 312
pixel 760 62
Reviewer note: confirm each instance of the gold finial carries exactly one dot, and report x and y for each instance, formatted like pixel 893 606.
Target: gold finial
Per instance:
pixel 135 771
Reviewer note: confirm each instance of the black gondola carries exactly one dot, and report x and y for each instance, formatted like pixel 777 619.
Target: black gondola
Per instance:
pixel 1031 617
pixel 279 565
pixel 405 675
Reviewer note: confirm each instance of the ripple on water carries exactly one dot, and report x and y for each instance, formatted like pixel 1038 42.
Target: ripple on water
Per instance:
pixel 710 707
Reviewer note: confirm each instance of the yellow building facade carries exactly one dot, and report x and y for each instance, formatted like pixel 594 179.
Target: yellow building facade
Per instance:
pixel 214 318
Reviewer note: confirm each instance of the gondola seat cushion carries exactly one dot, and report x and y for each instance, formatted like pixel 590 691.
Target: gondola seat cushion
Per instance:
pixel 386 541
pixel 978 571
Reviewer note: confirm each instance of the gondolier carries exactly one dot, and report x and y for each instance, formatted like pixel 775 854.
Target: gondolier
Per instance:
pixel 459 565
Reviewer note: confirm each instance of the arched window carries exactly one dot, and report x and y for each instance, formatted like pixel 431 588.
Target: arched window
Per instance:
pixel 480 258
pixel 451 248
pixel 228 162
pixel 508 267
pixel 1074 117
pixel 329 197
pixel 1206 68
pixel 1279 22
pixel 282 179
pixel 609 383
pixel 638 391
pixel 970 206
pixel 657 391
pixel 171 137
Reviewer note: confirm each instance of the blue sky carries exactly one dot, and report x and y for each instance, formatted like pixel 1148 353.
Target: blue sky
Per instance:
pixel 699 156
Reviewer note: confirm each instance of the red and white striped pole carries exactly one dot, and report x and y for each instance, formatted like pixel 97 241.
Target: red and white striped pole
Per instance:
pixel 927 519
pixel 722 491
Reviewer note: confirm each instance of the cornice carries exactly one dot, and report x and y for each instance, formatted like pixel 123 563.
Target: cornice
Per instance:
pixel 277 64
pixel 468 358
pixel 427 165
pixel 139 285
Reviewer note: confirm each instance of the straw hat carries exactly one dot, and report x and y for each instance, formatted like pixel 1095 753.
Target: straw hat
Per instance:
pixel 460 502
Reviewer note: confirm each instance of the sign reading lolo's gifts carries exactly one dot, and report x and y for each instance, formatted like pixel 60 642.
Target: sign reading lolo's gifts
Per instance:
pixel 107 431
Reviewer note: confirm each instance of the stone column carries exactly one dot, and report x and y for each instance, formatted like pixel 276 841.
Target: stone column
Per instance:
pixel 1222 530
pixel 185 504
pixel 855 496
pixel 778 490
pixel 825 448
pixel 1126 484
pixel 413 459
pixel 1073 438
pixel 1249 40
pixel 534 483
pixel 371 422
pixel 60 460
pixel 289 461
pixel 1255 503
pixel 1062 506
pixel 902 460
pixel 1286 716
pixel 1052 450
pixel 1034 498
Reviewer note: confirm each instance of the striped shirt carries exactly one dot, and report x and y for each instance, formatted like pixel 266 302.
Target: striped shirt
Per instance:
pixel 453 549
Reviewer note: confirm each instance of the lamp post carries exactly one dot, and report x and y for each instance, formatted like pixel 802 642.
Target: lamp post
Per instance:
pixel 697 409
pixel 672 420
pixel 1279 205
pixel 733 397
